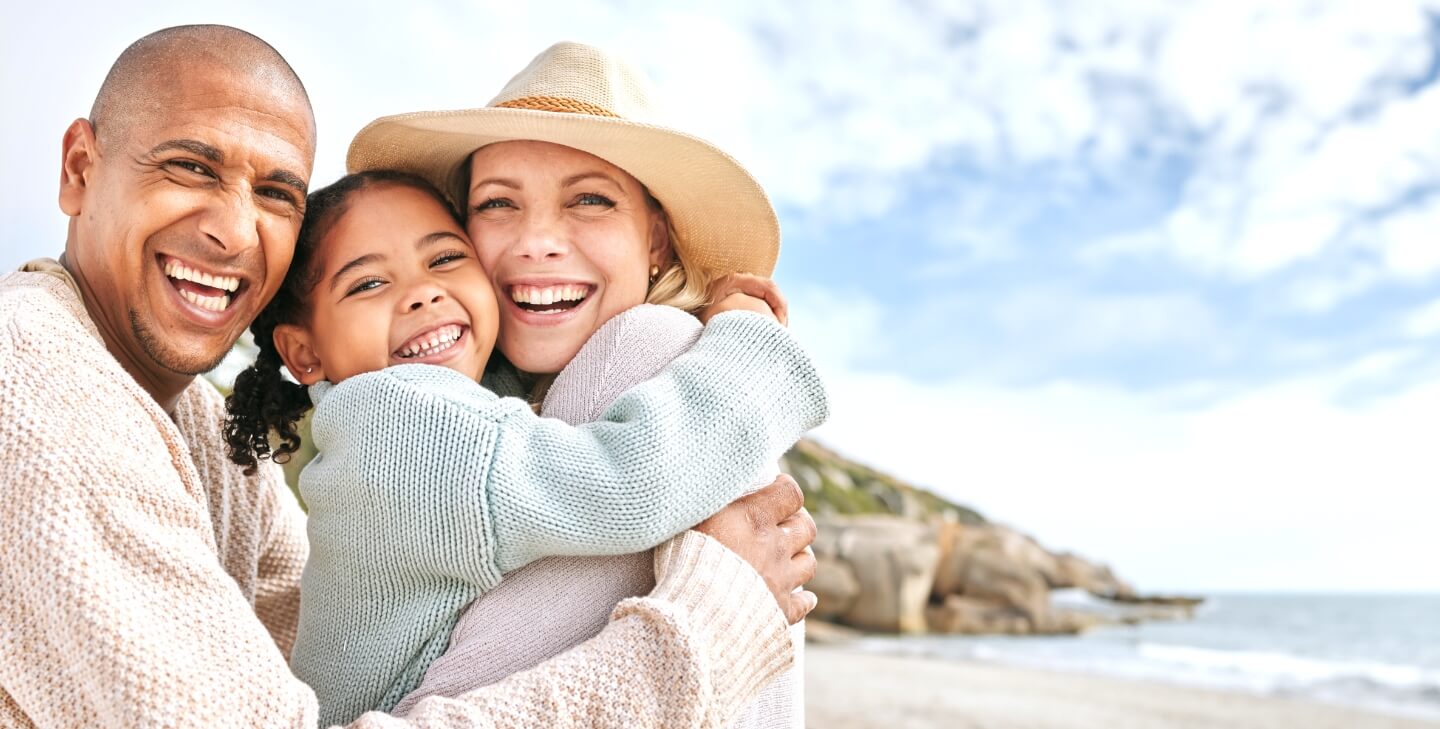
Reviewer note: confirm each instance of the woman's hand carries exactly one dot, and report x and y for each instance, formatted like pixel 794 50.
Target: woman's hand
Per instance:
pixel 772 531
pixel 747 292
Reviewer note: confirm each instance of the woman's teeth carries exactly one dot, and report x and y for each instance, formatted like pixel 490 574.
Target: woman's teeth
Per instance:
pixel 432 342
pixel 567 294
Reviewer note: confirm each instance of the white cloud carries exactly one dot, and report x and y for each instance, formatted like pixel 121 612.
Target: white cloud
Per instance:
pixel 1076 323
pixel 1423 322
pixel 1175 492
pixel 1321 293
pixel 1407 241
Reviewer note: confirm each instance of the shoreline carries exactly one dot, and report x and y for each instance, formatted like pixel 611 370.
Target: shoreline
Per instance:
pixel 924 692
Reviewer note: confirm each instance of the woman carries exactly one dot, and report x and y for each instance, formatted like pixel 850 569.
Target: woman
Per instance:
pixel 581 209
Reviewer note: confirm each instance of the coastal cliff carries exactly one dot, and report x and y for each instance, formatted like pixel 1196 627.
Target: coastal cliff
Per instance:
pixel 896 558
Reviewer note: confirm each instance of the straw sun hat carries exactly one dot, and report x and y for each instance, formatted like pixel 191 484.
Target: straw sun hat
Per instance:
pixel 585 98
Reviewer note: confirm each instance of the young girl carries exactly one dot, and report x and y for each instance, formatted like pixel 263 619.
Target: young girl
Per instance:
pixel 427 487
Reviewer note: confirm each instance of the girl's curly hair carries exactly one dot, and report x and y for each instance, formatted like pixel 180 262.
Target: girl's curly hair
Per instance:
pixel 263 399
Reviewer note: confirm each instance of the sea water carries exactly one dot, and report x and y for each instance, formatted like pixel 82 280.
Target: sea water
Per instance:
pixel 1369 651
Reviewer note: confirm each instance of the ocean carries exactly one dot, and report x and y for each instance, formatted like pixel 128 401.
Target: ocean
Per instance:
pixel 1374 652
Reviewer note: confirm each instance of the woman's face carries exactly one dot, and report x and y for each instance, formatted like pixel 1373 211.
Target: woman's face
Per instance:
pixel 568 240
pixel 398 284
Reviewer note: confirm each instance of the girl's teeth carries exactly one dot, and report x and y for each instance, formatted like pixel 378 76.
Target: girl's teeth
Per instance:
pixel 434 344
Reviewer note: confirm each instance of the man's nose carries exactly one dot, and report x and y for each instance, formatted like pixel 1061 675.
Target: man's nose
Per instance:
pixel 232 221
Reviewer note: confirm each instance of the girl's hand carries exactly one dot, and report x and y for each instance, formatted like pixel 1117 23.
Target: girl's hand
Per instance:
pixel 747 292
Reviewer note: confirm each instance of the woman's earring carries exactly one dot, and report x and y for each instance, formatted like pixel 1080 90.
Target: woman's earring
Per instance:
pixel 654 271
pixel 308 370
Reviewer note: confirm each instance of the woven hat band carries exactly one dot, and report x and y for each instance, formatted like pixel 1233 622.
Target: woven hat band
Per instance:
pixel 557 103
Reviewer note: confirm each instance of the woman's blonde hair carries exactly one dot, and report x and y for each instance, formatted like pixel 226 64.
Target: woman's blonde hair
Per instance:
pixel 678 284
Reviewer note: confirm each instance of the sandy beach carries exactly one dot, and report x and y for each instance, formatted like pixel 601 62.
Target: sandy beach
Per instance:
pixel 849 689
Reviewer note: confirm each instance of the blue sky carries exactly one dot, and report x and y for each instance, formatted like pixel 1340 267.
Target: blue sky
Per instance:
pixel 1154 281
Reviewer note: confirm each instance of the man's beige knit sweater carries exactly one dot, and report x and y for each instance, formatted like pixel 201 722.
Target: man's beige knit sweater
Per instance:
pixel 145 581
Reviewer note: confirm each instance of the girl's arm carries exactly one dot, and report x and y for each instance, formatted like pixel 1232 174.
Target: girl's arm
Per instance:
pixel 468 486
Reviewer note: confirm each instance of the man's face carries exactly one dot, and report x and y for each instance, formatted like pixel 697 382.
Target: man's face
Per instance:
pixel 186 218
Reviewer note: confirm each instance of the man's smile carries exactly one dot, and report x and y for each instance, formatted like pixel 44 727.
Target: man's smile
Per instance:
pixel 208 290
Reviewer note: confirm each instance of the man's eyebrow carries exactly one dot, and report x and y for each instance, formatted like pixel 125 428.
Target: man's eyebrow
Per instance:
pixel 361 261
pixel 289 179
pixel 193 146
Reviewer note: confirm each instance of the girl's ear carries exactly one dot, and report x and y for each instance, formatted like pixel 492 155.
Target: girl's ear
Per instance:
pixel 298 353
pixel 660 240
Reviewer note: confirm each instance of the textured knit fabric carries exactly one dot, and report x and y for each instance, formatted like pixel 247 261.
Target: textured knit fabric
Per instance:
pixel 545 608
pixel 134 559
pixel 427 487
pixel 140 570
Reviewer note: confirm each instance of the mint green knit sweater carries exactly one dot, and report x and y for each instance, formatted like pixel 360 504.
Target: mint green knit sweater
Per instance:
pixel 428 487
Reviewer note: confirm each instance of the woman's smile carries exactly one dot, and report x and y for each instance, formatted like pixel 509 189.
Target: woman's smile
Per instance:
pixel 568 239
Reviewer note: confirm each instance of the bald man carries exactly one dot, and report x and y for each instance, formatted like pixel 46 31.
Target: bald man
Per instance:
pixel 146 580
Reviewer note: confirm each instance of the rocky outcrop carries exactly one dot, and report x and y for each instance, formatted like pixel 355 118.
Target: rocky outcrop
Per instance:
pixel 878 570
pixel 898 559
pixel 896 575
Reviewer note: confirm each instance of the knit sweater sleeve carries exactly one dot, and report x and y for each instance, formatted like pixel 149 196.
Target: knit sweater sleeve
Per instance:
pixel 689 654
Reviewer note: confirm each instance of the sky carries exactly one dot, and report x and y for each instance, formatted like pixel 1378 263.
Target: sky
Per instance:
pixel 1155 282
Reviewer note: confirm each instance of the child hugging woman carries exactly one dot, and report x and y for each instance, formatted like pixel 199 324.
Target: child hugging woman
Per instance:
pixel 429 488
pixel 602 232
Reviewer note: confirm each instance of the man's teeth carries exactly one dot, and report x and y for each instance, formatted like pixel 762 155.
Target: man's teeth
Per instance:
pixel 432 343
pixel 213 303
pixel 177 270
pixel 546 295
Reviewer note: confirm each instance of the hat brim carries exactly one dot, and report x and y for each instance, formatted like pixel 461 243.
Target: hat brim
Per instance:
pixel 722 217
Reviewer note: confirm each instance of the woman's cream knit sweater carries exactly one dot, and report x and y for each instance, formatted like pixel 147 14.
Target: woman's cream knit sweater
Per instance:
pixel 145 581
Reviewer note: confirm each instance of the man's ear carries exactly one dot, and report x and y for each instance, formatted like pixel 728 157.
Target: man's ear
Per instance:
pixel 660 240
pixel 78 154
pixel 298 353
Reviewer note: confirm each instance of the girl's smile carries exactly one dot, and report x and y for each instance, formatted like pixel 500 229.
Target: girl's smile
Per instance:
pixel 433 345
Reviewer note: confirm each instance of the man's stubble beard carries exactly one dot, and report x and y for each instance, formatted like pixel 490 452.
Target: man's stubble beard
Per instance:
pixel 155 350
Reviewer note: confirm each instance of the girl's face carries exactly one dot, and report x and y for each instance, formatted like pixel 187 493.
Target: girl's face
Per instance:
pixel 398 283
pixel 568 239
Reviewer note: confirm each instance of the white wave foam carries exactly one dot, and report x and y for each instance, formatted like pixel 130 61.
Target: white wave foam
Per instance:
pixel 1400 689
pixel 1290 669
